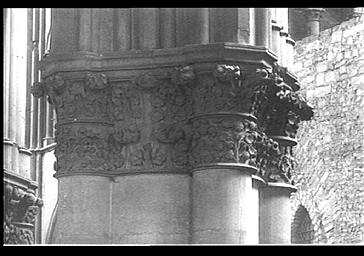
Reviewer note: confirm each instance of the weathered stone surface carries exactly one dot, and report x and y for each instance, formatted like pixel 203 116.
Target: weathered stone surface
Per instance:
pixel 83 214
pixel 329 174
pixel 274 214
pixel 21 208
pixel 151 209
pixel 222 206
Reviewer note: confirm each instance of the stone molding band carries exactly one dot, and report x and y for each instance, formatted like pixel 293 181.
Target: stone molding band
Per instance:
pixel 223 114
pixel 230 166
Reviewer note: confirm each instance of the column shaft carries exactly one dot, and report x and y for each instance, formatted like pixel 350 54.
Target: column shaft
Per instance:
pixel 313 27
pixel 231 25
pixel 275 214
pixel 221 206
pixel 263 27
pixel 145 28
pixel 122 26
pixel 276 39
pixel 85 29
pixel 192 26
pixel 313 16
pixel 83 210
pixel 168 27
pixel 283 48
pixel 106 32
pixel 28 116
pixel 65 36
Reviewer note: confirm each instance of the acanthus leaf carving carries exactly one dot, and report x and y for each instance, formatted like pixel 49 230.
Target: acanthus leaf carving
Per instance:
pixel 277 106
pixel 146 81
pixel 82 149
pixel 261 93
pixel 282 167
pixel 37 90
pixel 182 75
pixel 227 73
pixel 148 155
pixel 267 153
pixel 126 102
pixel 223 140
pixel 21 209
pixel 231 89
pixel 75 99
pixel 96 81
pixel 178 137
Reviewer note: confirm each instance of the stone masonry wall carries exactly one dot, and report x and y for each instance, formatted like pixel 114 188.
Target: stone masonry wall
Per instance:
pixel 330 151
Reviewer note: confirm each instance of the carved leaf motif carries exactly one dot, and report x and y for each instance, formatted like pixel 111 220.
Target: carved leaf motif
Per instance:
pixel 183 75
pixel 126 102
pixel 170 133
pixel 136 158
pixel 96 81
pixel 37 90
pixel 21 208
pixel 82 149
pixel 148 156
pixel 146 81
pixel 223 140
pixel 158 157
pixel 227 73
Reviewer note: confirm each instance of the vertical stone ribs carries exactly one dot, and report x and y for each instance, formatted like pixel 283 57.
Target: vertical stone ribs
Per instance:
pixel 20 210
pixel 177 118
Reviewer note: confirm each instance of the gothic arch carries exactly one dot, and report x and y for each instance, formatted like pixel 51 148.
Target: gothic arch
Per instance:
pixel 302 227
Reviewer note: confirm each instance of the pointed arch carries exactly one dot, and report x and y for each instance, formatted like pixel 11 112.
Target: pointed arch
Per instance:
pixel 302 227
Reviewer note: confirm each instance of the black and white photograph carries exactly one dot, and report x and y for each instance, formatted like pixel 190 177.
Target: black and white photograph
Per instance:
pixel 183 126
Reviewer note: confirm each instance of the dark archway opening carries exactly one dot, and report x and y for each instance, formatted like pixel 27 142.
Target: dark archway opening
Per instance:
pixel 302 228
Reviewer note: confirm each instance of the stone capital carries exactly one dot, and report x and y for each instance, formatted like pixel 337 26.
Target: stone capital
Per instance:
pixel 172 117
pixel 22 207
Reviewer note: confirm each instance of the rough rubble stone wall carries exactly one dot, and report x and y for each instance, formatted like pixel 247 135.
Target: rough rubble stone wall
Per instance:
pixel 330 152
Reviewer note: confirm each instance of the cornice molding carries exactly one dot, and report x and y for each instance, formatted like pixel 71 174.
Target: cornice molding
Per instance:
pixel 146 59
pixel 20 181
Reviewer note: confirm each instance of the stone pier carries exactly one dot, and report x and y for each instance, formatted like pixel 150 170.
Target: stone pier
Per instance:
pixel 172 126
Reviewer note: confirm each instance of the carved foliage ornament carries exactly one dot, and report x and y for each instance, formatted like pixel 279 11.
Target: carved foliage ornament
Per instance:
pixel 284 108
pixel 232 89
pixel 148 155
pixel 126 102
pixel 178 137
pixel 183 75
pixel 175 95
pixel 281 166
pixel 223 140
pixel 20 208
pixel 85 99
pixel 93 149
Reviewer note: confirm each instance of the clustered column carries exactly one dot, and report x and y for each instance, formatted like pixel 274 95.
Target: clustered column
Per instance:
pixel 225 127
